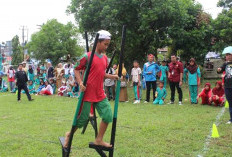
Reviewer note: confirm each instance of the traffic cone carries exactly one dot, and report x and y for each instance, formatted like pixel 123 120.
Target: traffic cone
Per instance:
pixel 226 104
pixel 215 132
pixel 16 93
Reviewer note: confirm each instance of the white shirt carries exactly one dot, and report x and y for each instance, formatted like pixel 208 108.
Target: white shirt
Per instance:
pixel 135 72
pixel 49 88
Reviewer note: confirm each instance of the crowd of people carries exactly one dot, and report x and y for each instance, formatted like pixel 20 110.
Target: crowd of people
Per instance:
pixel 47 80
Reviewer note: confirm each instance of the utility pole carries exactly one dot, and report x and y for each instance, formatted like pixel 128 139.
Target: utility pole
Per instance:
pixel 24 28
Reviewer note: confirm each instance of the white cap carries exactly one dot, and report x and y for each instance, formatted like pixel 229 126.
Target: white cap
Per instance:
pixel 103 34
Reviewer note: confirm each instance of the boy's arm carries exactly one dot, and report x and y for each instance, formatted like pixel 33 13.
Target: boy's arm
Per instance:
pixel 221 69
pixel 110 76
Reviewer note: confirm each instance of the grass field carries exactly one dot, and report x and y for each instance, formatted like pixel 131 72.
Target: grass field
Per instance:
pixel 143 130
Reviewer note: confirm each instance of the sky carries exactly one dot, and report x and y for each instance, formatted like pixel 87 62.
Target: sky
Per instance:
pixel 14 14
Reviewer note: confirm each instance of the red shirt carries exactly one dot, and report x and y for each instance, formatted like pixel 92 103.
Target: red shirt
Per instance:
pixel 94 89
pixel 175 69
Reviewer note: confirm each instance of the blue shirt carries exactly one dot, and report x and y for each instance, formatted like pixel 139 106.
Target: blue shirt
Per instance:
pixel 193 78
pixel 150 67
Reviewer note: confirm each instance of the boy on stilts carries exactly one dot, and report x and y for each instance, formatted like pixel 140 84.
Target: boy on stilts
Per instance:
pixel 94 92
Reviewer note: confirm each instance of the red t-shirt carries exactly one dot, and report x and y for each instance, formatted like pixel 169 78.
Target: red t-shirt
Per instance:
pixel 175 69
pixel 94 89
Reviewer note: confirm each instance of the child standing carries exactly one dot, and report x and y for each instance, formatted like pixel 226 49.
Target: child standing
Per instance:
pixel 164 70
pixel 194 76
pixel 94 92
pixel 161 94
pixel 136 80
pixel 11 78
pixel 218 95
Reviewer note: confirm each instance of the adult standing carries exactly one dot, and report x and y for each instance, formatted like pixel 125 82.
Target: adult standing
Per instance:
pixel 11 78
pixel 50 70
pixel 30 74
pixel 150 70
pixel 21 82
pixel 175 76
pixel 59 72
pixel 123 97
pixel 25 66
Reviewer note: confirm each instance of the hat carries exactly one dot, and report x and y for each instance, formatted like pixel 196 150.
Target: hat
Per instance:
pixel 103 34
pixel 24 62
pixel 227 50
pixel 150 55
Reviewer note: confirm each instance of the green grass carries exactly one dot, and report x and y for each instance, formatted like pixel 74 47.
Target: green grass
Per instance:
pixel 143 130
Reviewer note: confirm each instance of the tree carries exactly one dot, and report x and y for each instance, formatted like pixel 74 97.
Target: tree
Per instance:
pixel 225 3
pixel 151 24
pixel 53 41
pixel 17 56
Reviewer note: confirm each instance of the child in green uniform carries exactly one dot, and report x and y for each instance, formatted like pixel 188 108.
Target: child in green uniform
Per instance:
pixel 30 74
pixel 161 94
pixel 194 76
pixel 3 85
pixel 164 70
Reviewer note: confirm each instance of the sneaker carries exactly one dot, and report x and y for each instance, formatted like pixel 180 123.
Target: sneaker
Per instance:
pixel 171 102
pixel 138 101
pixel 229 122
pixel 127 101
pixel 135 102
pixel 180 103
pixel 145 102
pixel 31 99
pixel 19 100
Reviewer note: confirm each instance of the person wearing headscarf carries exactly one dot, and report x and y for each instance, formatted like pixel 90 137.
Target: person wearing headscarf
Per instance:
pixel 150 69
pixel 205 94
pixel 218 94
pixel 194 75
pixel 123 97
pixel 59 72
pixel 30 74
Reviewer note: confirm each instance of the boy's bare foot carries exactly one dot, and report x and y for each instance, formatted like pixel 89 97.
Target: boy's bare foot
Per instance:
pixel 67 135
pixel 102 143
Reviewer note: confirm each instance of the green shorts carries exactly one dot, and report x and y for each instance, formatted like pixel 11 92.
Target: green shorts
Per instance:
pixel 103 108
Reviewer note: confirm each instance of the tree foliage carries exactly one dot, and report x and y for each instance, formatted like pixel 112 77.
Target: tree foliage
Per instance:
pixel 151 24
pixel 17 56
pixel 55 40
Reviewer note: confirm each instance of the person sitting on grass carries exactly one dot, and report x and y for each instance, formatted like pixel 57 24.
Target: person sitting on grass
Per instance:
pixel 218 93
pixel 94 92
pixel 37 80
pixel 62 91
pixel 31 87
pixel 48 90
pixel 205 94
pixel 41 86
pixel 53 84
pixel 3 85
pixel 160 94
